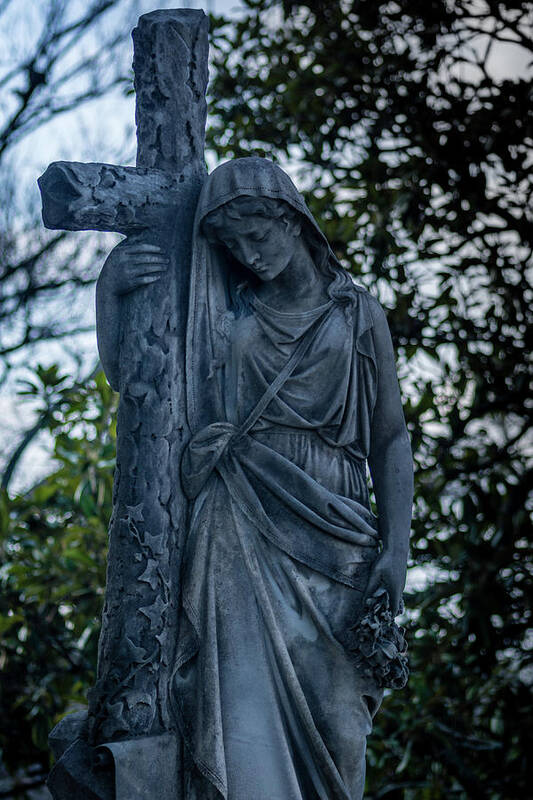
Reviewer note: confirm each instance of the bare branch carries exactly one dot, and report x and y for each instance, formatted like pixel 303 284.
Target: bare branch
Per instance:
pixel 39 99
pixel 29 261
pixel 37 335
pixel 3 5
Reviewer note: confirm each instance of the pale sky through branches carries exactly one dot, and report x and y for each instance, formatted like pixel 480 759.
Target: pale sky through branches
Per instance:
pixel 103 130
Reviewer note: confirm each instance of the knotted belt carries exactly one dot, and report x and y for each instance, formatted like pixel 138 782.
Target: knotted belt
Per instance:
pixel 210 444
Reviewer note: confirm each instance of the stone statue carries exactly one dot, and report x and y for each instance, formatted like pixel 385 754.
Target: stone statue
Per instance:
pixel 249 630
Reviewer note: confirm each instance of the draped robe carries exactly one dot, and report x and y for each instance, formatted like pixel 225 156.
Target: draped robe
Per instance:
pixel 281 537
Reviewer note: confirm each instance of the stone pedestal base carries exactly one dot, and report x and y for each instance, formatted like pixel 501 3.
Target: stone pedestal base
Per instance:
pixel 134 769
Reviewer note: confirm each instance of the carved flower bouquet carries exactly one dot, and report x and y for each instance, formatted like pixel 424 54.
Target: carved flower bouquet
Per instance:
pixel 378 644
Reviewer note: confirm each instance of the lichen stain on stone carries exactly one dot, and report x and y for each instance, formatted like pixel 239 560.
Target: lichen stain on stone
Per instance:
pixel 125 213
pixel 191 138
pixel 191 82
pixel 107 179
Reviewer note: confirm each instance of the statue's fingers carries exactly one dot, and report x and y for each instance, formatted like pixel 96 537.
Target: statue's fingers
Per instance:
pixel 394 599
pixel 136 264
pixel 145 279
pixel 146 269
pixel 141 280
pixel 147 258
pixel 154 268
pixel 373 585
pixel 142 268
pixel 145 248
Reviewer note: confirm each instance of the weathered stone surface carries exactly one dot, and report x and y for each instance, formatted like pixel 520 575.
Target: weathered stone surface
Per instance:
pixel 154 201
pixel 170 64
pixel 76 775
pixel 248 631
pixel 105 197
pixel 71 727
pixel 139 622
pixel 144 768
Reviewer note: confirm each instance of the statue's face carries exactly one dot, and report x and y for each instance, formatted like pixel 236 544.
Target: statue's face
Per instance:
pixel 263 245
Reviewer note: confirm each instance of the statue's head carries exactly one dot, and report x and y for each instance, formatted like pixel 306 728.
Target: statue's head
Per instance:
pixel 251 208
pixel 261 233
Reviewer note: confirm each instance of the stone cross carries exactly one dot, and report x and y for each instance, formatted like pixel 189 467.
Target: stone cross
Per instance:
pixel 154 201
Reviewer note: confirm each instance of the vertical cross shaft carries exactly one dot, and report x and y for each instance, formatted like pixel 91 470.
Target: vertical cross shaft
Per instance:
pixel 139 621
pixel 154 202
pixel 170 65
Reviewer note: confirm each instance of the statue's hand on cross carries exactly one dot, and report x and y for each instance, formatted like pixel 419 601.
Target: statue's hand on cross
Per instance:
pixel 131 265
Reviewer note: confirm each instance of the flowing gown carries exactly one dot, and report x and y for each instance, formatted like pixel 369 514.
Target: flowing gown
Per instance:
pixel 280 544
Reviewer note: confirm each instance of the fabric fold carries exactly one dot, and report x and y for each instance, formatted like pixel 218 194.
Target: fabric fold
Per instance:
pixel 280 534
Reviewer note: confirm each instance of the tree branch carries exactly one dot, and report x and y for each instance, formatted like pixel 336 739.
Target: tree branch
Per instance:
pixel 29 261
pixel 36 335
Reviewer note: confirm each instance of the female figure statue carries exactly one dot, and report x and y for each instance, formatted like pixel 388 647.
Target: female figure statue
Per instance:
pixel 291 391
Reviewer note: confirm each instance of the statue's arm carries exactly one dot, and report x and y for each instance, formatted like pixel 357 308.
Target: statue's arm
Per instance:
pixel 128 267
pixel 391 467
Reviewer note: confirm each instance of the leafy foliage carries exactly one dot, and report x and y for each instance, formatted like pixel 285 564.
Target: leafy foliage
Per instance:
pixel 416 159
pixel 52 549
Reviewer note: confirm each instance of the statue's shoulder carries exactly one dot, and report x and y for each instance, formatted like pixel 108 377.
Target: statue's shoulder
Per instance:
pixel 360 291
pixel 366 299
pixel 369 308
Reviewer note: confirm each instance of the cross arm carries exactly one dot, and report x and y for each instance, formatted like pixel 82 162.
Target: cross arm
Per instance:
pixel 170 66
pixel 104 197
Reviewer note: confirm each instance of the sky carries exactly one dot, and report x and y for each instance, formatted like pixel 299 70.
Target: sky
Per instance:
pixel 102 130
pixel 97 131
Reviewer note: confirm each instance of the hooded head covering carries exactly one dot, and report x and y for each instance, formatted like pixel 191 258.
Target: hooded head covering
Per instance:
pixel 209 289
pixel 255 503
pixel 253 177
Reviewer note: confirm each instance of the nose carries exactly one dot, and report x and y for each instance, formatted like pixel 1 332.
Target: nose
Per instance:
pixel 251 256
